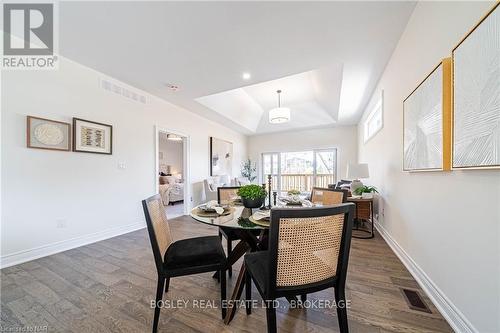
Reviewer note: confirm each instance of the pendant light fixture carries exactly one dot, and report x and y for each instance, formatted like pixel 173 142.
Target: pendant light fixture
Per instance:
pixel 279 115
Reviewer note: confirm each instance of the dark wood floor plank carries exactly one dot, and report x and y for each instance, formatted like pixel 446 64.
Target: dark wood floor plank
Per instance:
pixel 11 293
pixel 75 318
pixel 95 302
pixel 8 318
pixel 32 314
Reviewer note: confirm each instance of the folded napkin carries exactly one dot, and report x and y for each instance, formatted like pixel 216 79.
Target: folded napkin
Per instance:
pixel 306 203
pixel 261 214
pixel 215 206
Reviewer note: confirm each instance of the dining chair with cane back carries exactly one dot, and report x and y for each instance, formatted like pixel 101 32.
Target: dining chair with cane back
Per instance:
pixel 182 257
pixel 308 251
pixel 328 196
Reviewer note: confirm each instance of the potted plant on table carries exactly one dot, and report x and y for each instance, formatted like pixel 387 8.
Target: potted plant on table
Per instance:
pixel 366 192
pixel 252 196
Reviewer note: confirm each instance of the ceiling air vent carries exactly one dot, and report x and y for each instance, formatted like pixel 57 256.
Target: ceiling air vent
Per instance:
pixel 118 89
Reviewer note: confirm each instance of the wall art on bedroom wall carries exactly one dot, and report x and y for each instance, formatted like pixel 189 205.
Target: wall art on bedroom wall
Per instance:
pixel 47 134
pixel 221 157
pixel 426 122
pixel 92 137
pixel 476 96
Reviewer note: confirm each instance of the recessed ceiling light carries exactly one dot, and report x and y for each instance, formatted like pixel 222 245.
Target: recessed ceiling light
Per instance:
pixel 246 76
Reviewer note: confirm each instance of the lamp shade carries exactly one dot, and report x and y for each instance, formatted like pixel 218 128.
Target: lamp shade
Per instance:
pixel 279 115
pixel 357 171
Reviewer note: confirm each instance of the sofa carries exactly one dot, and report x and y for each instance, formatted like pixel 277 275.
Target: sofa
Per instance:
pixel 241 181
pixel 211 184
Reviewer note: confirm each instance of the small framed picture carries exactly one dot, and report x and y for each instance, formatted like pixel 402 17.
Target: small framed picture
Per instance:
pixel 47 134
pixel 92 137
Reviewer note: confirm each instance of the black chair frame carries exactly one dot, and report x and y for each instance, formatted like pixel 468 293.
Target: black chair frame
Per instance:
pixel 272 291
pixel 164 275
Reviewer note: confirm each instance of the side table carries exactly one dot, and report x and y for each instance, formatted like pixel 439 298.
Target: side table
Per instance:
pixel 363 212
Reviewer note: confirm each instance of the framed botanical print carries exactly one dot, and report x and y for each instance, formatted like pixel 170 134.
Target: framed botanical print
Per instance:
pixel 221 157
pixel 92 137
pixel 476 96
pixel 426 122
pixel 47 134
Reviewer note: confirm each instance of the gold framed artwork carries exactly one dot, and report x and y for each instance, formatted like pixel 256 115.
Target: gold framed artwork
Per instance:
pixel 426 122
pixel 476 96
pixel 47 134
pixel 92 137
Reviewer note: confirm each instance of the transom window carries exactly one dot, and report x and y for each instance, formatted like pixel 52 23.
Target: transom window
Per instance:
pixel 375 121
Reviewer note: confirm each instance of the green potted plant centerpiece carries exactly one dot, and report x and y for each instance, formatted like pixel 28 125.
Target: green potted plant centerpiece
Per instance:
pixel 366 192
pixel 252 196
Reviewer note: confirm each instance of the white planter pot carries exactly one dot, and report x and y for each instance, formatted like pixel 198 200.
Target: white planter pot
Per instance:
pixel 367 195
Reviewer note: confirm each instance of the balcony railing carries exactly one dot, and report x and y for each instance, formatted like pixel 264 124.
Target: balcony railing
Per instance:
pixel 302 182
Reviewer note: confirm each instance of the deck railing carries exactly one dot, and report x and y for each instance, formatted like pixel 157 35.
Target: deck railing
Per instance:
pixel 303 182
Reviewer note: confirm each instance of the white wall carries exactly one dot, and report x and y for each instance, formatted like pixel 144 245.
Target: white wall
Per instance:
pixel 172 153
pixel 446 222
pixel 344 138
pixel 87 192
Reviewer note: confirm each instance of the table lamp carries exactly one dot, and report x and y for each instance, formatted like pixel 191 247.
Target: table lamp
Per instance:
pixel 355 172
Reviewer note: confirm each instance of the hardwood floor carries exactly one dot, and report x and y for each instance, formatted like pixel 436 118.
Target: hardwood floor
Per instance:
pixel 108 287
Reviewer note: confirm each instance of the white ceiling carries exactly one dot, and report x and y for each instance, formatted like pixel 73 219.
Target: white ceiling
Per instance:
pixel 326 56
pixel 305 94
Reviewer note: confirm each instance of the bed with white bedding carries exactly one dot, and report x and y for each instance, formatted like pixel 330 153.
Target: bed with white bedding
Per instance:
pixel 172 193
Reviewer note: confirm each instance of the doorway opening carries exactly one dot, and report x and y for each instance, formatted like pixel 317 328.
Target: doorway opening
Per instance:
pixel 173 172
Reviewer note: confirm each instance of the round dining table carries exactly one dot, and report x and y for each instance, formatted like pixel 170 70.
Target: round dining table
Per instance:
pixel 240 220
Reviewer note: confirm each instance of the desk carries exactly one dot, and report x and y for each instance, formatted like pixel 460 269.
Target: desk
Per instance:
pixel 364 213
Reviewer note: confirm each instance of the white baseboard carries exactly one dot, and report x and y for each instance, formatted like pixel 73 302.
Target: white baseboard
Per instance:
pixel 450 312
pixel 49 249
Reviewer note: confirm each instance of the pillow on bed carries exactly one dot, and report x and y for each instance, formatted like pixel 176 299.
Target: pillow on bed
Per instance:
pixel 171 179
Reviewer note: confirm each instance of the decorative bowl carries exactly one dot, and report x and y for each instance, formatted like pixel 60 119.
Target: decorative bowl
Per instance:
pixel 252 203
